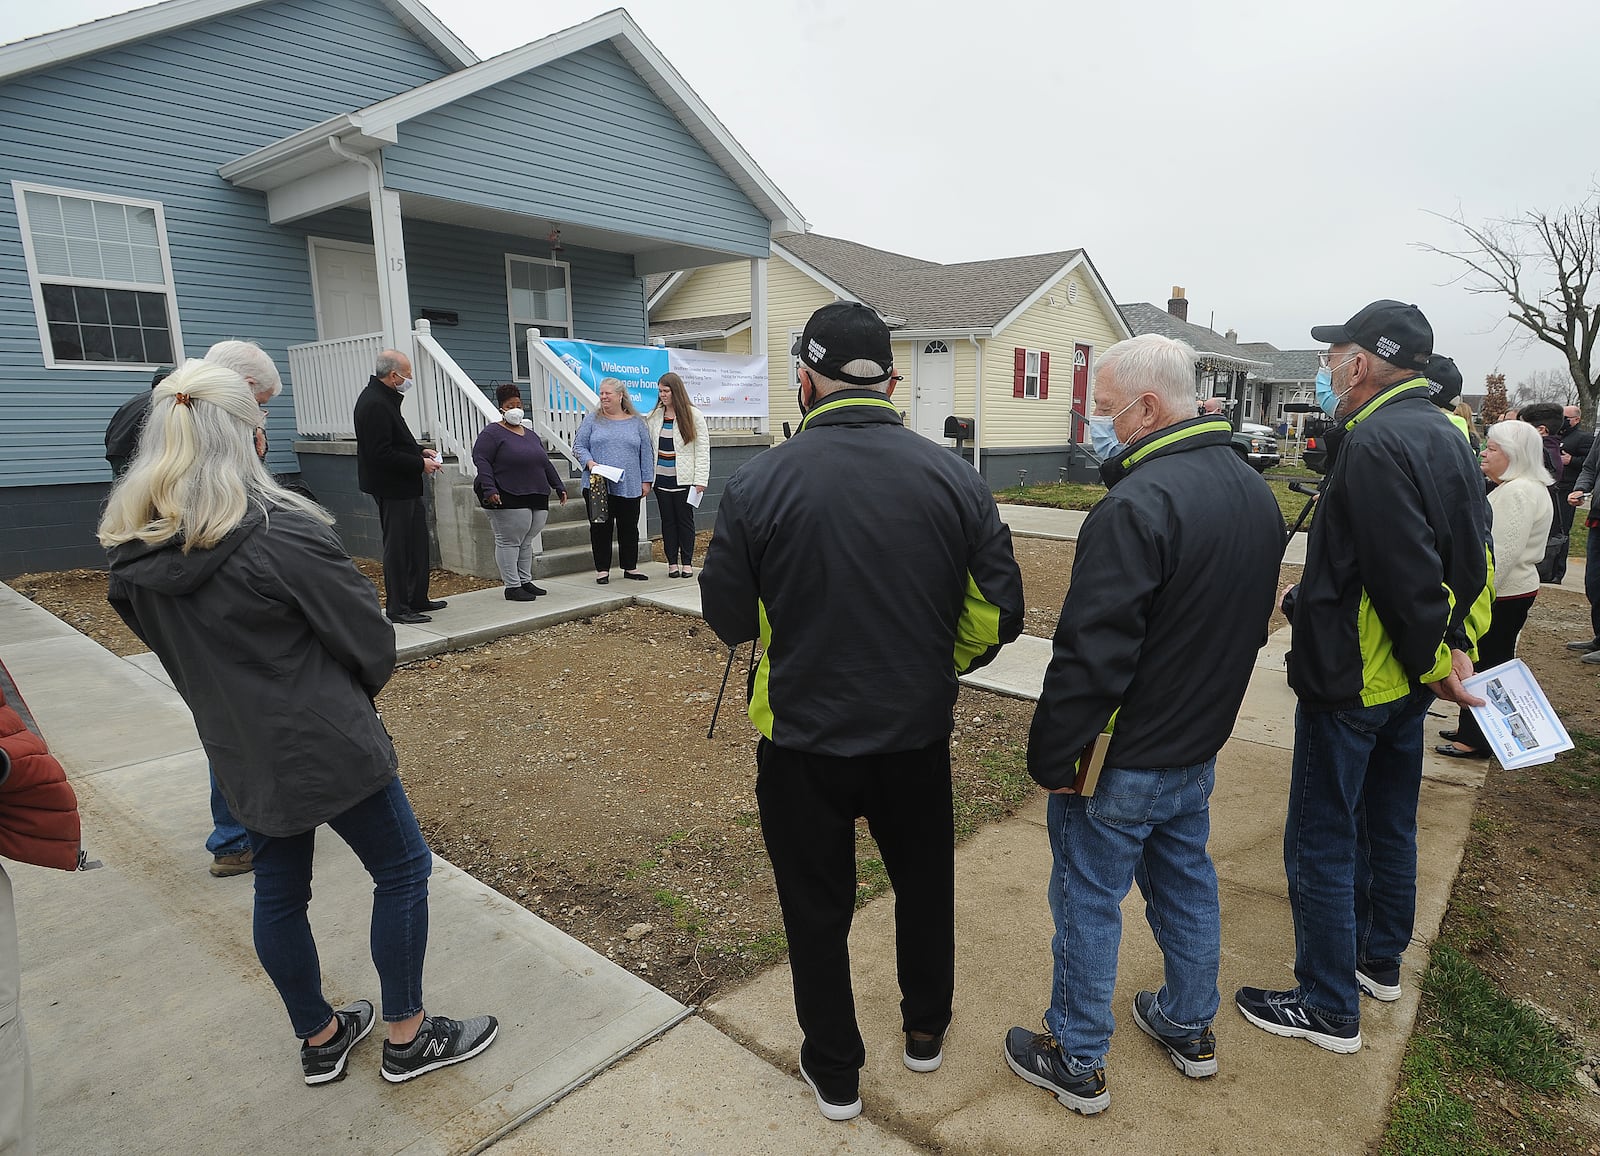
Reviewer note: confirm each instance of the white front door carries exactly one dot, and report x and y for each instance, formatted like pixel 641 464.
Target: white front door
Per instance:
pixel 344 280
pixel 933 388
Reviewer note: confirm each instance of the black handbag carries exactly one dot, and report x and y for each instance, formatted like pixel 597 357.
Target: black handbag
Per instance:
pixel 1555 548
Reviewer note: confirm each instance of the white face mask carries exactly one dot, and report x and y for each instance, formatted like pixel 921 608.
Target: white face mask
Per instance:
pixel 512 416
pixel 405 386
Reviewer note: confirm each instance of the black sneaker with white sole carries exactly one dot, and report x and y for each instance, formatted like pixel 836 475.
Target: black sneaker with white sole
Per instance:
pixel 1282 1014
pixel 1194 1056
pixel 324 1063
pixel 1037 1058
pixel 1380 981
pixel 833 1104
pixel 924 1054
pixel 440 1042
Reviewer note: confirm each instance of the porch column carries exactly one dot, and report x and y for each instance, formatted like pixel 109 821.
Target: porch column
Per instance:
pixel 758 319
pixel 394 294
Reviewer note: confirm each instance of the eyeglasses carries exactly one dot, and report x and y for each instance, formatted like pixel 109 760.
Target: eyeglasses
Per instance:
pixel 1325 359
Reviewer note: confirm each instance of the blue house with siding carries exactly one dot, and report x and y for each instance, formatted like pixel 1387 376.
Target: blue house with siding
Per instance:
pixel 316 175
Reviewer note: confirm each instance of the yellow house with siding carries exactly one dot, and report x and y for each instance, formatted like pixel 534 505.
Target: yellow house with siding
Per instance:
pixel 1009 344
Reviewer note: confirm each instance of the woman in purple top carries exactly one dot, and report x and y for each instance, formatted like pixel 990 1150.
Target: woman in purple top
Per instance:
pixel 515 477
pixel 615 435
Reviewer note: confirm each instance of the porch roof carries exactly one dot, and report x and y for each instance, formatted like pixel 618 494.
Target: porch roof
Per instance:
pixel 307 159
pixel 700 328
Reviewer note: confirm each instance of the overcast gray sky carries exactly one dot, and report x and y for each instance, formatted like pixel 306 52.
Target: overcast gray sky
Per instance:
pixel 1276 159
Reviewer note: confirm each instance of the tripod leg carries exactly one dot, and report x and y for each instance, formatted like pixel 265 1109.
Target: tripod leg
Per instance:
pixel 727 670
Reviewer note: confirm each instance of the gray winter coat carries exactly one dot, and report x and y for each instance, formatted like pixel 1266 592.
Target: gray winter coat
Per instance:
pixel 276 642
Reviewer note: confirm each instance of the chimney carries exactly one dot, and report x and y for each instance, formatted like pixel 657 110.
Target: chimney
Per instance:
pixel 1176 305
pixel 1232 335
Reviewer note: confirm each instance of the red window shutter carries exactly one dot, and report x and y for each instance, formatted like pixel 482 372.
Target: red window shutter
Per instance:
pixel 1044 375
pixel 1020 362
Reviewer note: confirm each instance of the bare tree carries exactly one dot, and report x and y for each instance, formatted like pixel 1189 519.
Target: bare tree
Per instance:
pixel 1546 385
pixel 1545 264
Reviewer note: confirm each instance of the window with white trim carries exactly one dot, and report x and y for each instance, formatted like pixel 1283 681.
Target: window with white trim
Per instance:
pixel 101 276
pixel 1030 375
pixel 538 296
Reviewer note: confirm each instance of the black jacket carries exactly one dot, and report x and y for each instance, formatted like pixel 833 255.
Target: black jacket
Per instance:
pixel 277 644
pixel 122 433
pixel 874 568
pixel 1576 444
pixel 388 458
pixel 1398 566
pixel 1172 587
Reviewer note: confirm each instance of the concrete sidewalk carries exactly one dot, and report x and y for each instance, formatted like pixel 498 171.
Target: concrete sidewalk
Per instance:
pixel 154 1029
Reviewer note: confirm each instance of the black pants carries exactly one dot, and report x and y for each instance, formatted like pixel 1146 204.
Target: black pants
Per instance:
pixel 809 805
pixel 1498 644
pixel 623 513
pixel 677 525
pixel 405 553
pixel 1563 525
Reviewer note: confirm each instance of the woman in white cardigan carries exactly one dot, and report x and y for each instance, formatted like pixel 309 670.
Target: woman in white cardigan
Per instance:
pixel 1513 458
pixel 683 463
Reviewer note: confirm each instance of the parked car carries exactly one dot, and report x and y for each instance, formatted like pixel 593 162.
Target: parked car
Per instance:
pixel 1257 444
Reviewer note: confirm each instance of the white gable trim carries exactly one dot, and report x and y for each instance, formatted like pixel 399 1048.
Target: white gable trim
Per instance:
pixel 55 48
pixel 817 275
pixel 1078 263
pixel 380 121
pixel 665 289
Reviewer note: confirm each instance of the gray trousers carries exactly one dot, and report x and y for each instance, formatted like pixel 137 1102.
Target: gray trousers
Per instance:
pixel 514 532
pixel 16 1079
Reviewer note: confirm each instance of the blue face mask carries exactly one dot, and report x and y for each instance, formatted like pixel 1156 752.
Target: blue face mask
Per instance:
pixel 1103 434
pixel 1327 400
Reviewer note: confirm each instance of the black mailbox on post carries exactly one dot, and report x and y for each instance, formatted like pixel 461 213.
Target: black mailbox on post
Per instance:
pixel 959 428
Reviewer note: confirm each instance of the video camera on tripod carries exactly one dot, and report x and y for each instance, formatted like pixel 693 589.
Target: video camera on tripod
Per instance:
pixel 1314 435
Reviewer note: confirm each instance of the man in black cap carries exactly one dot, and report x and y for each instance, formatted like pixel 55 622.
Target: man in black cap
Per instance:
pixel 874 568
pixel 1396 590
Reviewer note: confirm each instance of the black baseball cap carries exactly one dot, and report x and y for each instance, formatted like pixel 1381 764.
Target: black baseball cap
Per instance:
pixel 843 332
pixel 1444 381
pixel 1396 332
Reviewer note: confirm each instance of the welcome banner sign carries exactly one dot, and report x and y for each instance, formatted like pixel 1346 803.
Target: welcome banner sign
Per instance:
pixel 720 384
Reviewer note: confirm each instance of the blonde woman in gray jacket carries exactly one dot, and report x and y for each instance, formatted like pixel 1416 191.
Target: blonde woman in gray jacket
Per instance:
pixel 276 643
pixel 683 463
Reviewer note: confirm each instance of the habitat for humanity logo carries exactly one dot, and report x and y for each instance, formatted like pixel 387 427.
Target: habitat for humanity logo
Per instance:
pixel 573 364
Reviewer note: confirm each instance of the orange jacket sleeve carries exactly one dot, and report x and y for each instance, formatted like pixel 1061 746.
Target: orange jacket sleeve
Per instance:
pixel 38 809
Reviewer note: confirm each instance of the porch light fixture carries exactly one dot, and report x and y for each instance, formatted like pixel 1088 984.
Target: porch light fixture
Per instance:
pixel 555 240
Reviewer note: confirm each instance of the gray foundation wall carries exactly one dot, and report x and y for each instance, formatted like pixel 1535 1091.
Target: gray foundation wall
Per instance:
pixel 50 528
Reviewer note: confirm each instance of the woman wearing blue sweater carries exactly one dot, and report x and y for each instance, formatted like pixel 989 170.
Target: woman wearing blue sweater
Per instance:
pixel 616 436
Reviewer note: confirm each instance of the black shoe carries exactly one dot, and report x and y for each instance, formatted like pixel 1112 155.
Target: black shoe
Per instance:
pixel 637 577
pixel 833 1105
pixel 532 589
pixel 324 1063
pixel 1450 736
pixel 924 1055
pixel 1378 980
pixel 440 1042
pixel 1584 645
pixel 1451 751
pixel 410 618
pixel 1194 1056
pixel 434 604
pixel 1037 1058
pixel 519 594
pixel 1282 1014
pixel 602 580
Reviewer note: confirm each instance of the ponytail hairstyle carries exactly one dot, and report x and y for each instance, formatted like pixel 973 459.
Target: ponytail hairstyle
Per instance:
pixel 196 470
pixel 682 410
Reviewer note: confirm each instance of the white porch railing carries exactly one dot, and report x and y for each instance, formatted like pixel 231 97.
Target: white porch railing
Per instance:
pixel 454 409
pixel 728 423
pixel 560 399
pixel 328 376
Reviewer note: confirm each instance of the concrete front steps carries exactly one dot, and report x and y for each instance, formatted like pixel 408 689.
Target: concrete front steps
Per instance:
pixel 466 544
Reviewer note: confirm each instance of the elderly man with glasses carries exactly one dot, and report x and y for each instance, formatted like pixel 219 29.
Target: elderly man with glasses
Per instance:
pixel 1396 590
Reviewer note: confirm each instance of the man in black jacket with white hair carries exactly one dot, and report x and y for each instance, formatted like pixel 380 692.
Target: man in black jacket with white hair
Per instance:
pixel 874 568
pixel 1172 587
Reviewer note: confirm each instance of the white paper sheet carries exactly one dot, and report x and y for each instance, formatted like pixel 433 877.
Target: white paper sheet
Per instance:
pixel 609 473
pixel 695 494
pixel 1516 718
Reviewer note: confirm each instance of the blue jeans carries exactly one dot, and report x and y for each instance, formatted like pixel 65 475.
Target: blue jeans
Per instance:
pixel 1149 827
pixel 1350 845
pixel 383 832
pixel 228 836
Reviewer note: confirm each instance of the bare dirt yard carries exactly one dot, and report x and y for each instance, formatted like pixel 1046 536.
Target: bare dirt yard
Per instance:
pixel 570 769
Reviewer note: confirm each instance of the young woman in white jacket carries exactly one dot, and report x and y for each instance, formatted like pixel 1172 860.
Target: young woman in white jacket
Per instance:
pixel 683 463
pixel 1513 458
